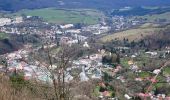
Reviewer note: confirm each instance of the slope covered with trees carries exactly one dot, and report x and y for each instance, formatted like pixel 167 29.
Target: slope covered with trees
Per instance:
pixel 13 5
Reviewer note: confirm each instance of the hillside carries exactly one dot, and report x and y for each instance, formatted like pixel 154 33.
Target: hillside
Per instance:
pixel 160 39
pixel 8 46
pixel 133 34
pixel 14 5
pixel 164 17
pixel 13 42
pixel 140 11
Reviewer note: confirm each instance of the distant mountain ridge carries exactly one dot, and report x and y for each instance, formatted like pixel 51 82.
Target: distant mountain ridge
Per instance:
pixel 14 5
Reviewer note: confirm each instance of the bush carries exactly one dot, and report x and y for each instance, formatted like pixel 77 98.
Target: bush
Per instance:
pixel 18 81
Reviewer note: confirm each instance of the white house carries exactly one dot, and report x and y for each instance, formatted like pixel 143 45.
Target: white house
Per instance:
pixel 86 45
pixel 18 20
pixel 66 26
pixel 127 97
pixel 83 76
pixel 156 71
pixel 151 53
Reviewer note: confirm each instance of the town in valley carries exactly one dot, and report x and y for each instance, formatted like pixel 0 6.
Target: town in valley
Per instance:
pixel 117 54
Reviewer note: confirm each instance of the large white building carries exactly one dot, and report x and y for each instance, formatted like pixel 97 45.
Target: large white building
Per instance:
pixel 18 20
pixel 66 26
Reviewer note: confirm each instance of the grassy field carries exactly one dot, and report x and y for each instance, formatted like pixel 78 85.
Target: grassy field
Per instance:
pixel 166 70
pixel 60 16
pixel 3 36
pixel 145 74
pixel 133 34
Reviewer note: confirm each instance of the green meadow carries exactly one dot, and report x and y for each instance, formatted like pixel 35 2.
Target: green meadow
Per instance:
pixel 63 16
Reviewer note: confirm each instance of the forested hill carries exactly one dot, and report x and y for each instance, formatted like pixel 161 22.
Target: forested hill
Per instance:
pixel 13 5
pixel 140 11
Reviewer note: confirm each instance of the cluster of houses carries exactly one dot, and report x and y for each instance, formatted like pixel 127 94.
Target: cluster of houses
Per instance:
pixel 74 39
pixel 91 67
pixel 17 61
pixel 133 66
pixel 97 29
pixel 120 22
pixel 9 21
pixel 64 33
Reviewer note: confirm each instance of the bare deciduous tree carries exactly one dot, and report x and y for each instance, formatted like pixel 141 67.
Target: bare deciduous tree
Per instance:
pixel 63 60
